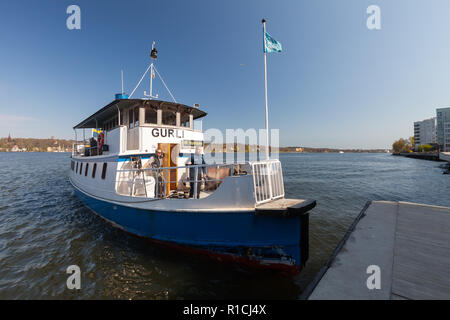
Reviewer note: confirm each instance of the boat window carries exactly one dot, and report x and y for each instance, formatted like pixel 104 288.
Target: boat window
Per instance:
pixel 130 119
pixel 93 170
pixel 184 119
pixel 81 168
pixel 136 117
pixel 151 116
pixel 104 170
pixel 72 165
pixel 77 168
pixel 86 170
pixel 111 124
pixel 169 118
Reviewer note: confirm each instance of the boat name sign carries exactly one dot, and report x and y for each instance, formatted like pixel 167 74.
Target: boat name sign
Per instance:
pixel 167 133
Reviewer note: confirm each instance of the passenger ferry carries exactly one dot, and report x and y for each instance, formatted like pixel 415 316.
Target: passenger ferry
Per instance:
pixel 231 211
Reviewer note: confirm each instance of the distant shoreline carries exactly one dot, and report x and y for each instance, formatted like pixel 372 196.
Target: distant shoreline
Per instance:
pixel 62 145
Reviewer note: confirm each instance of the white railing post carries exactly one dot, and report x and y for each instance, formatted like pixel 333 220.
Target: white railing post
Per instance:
pixel 195 182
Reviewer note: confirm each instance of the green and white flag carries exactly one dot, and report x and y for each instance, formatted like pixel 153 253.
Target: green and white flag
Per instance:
pixel 270 44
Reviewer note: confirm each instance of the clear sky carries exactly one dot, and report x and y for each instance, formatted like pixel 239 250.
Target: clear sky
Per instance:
pixel 336 83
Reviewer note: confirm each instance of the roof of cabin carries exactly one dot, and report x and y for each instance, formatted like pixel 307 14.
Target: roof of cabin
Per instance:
pixel 110 110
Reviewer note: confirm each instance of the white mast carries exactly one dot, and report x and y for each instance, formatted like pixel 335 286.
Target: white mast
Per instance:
pixel 265 89
pixel 152 68
pixel 151 71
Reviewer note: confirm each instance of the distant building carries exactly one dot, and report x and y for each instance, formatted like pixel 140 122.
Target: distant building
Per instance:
pixel 424 132
pixel 299 149
pixel 15 149
pixel 443 128
pixel 9 137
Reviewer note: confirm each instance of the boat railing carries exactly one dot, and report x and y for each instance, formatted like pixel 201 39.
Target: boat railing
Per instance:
pixel 84 149
pixel 191 181
pixel 199 181
pixel 78 148
pixel 267 180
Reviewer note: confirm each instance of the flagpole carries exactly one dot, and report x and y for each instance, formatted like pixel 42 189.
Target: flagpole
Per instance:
pixel 265 88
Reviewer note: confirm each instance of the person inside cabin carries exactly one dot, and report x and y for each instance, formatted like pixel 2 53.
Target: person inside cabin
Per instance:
pixel 93 146
pixel 100 142
pixel 196 159
pixel 155 162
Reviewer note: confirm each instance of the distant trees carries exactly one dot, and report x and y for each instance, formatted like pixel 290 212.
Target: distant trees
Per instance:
pixel 403 145
pixel 32 144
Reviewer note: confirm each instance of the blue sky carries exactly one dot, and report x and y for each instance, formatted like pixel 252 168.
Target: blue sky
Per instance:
pixel 336 83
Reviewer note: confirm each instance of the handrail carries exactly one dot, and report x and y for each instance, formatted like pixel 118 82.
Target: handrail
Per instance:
pixel 151 182
pixel 267 180
pixel 143 179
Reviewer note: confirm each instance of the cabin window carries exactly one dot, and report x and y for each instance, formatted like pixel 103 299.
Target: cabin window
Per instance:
pixel 136 117
pixel 130 119
pixel 184 119
pixel 72 165
pixel 104 170
pixel 111 124
pixel 86 170
pixel 151 116
pixel 93 170
pixel 77 168
pixel 81 168
pixel 169 118
pixel 114 122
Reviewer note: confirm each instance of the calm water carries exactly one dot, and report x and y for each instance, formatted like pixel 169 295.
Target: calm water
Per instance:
pixel 44 228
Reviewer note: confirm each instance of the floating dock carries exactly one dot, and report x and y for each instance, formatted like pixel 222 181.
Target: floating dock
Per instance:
pixel 408 242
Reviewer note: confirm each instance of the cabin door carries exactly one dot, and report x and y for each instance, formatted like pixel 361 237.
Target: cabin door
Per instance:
pixel 170 159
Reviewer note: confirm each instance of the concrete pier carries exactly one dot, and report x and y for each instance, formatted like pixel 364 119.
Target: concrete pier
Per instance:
pixel 445 156
pixel 420 155
pixel 410 243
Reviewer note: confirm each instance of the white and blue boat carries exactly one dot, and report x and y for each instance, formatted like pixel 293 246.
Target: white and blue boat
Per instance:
pixel 233 211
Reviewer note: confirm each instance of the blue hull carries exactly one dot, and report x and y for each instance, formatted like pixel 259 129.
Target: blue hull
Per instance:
pixel 269 241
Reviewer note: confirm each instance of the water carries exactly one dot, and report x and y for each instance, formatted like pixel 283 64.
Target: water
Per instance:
pixel 44 228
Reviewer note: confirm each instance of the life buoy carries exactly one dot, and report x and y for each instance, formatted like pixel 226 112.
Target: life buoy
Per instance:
pixel 100 140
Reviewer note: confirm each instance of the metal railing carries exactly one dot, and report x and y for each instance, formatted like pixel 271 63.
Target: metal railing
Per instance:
pixel 84 149
pixel 267 180
pixel 165 182
pixel 78 148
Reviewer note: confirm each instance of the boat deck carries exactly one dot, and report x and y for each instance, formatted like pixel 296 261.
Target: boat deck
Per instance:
pixel 285 207
pixel 409 242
